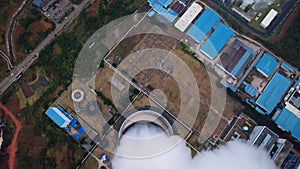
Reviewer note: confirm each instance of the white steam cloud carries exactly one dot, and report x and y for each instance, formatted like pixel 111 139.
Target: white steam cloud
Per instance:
pixel 147 147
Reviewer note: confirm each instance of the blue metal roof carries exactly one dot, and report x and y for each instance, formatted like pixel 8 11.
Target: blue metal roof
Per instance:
pixel 296 83
pixel 73 122
pixel 38 2
pixel 105 157
pixel 289 122
pixel 76 137
pixel 250 90
pixel 272 94
pixel 52 114
pixel 165 3
pixel 151 13
pixel 267 64
pixel 169 14
pixel 81 130
pixel 64 112
pixel 203 25
pixel 217 40
pixel 287 67
pixel 162 3
pixel 237 70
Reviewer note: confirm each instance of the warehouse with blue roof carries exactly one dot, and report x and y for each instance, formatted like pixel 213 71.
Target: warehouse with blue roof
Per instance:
pixel 272 94
pixel 267 64
pixel 160 7
pixel 237 70
pixel 216 41
pixel 203 25
pixel 288 121
pixel 252 91
pixel 59 116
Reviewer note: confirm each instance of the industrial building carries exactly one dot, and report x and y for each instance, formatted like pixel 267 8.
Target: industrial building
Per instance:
pixel 289 122
pixel 216 41
pixel 267 64
pixel 168 9
pixel 252 91
pixel 187 18
pixel 59 116
pixel 292 161
pixel 272 94
pixel 266 139
pixel 248 11
pixel 236 59
pixel 199 30
pixel 269 18
pixel 289 117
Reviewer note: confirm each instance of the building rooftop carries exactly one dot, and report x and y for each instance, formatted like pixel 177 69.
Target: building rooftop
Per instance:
pixel 203 25
pixel 187 18
pixel 263 137
pixel 273 92
pixel 289 122
pixel 252 91
pixel 267 64
pixel 38 2
pixel 58 117
pixel 269 18
pixel 237 58
pixel 217 40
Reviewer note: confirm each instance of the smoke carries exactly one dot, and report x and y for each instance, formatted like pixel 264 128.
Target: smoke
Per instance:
pixel 147 147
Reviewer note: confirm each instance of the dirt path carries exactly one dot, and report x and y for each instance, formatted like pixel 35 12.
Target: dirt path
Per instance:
pixel 13 147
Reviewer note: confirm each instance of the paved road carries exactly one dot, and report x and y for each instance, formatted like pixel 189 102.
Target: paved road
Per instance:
pixel 286 9
pixel 16 73
pixel 9 33
pixel 6 58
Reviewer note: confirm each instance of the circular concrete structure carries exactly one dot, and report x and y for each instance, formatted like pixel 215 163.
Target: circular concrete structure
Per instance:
pixel 146 116
pixel 77 95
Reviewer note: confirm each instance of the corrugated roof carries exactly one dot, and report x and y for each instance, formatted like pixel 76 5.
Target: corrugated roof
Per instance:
pixel 189 15
pixel 237 68
pixel 76 137
pixel 203 25
pixel 250 90
pixel 267 64
pixel 274 91
pixel 217 40
pixel 269 18
pixel 81 130
pixel 165 3
pixel 58 117
pixel 289 122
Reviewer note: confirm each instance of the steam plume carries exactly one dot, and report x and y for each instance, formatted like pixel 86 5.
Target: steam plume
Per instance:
pixel 145 146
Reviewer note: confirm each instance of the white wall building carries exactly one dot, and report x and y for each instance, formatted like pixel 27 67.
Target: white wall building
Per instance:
pixel 269 18
pixel 187 18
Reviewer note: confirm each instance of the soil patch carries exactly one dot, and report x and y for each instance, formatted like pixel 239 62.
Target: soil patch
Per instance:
pixel 13 147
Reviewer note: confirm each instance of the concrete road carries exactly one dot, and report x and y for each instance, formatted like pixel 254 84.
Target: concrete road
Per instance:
pixel 16 73
pixel 9 33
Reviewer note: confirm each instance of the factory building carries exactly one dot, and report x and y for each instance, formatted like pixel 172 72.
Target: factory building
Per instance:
pixel 187 18
pixel 199 30
pixel 216 41
pixel 288 118
pixel 266 64
pixel 59 116
pixel 272 94
pixel 277 148
pixel 268 19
